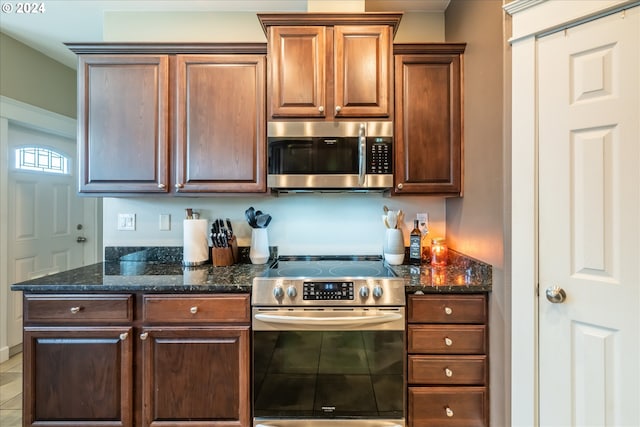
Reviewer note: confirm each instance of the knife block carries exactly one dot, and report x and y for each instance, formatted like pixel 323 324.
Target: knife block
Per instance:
pixel 221 257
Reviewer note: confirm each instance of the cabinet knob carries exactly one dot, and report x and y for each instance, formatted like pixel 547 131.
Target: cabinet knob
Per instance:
pixel 400 186
pixel 338 108
pixel 448 372
pixel 448 310
pixel 448 342
pixel 178 185
pixel 144 335
pixel 74 310
pixel 321 109
pixel 449 412
pixel 123 336
pixel 161 186
pixel 193 309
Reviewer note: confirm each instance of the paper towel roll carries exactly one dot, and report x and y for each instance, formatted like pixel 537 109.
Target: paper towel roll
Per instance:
pixel 195 249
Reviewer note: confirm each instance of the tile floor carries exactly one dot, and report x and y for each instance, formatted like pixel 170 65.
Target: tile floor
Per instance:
pixel 11 392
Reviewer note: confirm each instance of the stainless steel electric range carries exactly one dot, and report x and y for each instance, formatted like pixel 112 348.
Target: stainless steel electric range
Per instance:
pixel 328 343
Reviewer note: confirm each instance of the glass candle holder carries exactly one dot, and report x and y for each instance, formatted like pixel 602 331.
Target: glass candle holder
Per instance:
pixel 439 253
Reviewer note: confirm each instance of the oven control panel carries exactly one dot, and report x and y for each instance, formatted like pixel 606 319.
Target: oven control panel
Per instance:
pixel 325 290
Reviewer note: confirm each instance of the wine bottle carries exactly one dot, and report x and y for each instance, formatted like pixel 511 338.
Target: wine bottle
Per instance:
pixel 415 244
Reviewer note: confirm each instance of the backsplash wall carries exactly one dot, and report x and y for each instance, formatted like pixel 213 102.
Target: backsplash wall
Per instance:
pixel 303 224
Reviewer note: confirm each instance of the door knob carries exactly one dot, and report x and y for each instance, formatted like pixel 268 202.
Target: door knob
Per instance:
pixel 556 295
pixel 81 239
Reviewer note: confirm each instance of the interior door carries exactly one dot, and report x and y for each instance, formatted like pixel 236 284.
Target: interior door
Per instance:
pixel 45 217
pixel 589 223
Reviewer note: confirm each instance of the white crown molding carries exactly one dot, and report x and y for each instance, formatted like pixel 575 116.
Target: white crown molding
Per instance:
pixel 520 5
pixel 35 117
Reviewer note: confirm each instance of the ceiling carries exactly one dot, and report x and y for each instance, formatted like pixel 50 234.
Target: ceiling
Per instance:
pixel 82 20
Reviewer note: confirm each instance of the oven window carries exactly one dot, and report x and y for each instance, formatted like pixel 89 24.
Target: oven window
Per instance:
pixel 330 374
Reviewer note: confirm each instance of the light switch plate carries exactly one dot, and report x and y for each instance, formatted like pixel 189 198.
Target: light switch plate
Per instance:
pixel 165 222
pixel 127 222
pixel 423 222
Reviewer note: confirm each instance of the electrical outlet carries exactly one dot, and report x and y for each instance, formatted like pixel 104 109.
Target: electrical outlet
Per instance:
pixel 165 222
pixel 423 222
pixel 127 222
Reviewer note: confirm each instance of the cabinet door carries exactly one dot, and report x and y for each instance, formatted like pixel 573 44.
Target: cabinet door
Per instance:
pixel 298 71
pixel 362 71
pixel 220 123
pixel 196 376
pixel 122 123
pixel 78 376
pixel 428 125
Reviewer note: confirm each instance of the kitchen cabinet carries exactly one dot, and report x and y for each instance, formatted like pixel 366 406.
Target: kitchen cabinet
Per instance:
pixel 330 66
pixel 123 123
pixel 171 118
pixel 447 362
pixel 137 359
pixel 428 119
pixel 78 360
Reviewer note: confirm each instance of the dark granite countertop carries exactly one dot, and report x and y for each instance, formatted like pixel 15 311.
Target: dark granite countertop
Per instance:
pixel 153 270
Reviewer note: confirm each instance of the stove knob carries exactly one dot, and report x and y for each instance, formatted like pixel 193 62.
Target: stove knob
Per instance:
pixel 291 291
pixel 364 292
pixel 278 292
pixel 377 291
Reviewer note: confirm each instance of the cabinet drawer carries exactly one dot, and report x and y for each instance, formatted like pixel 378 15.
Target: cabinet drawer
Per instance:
pixel 78 308
pixel 446 339
pixel 196 308
pixel 452 370
pixel 448 406
pixel 447 309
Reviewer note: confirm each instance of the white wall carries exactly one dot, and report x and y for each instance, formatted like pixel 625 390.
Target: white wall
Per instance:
pixel 317 224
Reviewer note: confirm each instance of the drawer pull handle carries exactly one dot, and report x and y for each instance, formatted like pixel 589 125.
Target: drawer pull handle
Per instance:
pixel 74 310
pixel 449 412
pixel 123 336
pixel 193 309
pixel 448 372
pixel 448 310
pixel 448 342
pixel 144 335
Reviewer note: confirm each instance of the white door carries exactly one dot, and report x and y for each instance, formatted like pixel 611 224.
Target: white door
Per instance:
pixel 45 216
pixel 589 223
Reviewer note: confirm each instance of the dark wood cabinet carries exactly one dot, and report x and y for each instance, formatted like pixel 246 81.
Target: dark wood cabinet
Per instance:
pixel 428 119
pixel 171 118
pixel 330 66
pixel 447 362
pixel 220 123
pixel 96 360
pixel 123 123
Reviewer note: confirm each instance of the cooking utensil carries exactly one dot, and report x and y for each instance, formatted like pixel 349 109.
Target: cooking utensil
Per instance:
pixel 263 220
pixel 250 214
pixel 392 219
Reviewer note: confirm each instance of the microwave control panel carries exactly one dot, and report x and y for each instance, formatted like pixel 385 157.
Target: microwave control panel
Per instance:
pixel 379 155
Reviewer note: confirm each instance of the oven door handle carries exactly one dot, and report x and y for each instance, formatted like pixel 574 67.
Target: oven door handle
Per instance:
pixel 329 321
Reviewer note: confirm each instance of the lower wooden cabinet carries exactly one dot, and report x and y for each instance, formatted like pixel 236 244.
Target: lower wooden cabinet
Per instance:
pixel 86 365
pixel 447 361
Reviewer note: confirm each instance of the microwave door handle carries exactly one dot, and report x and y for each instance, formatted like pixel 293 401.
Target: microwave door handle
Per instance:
pixel 329 321
pixel 362 146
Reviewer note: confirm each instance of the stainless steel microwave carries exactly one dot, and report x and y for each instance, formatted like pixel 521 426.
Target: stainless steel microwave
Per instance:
pixel 333 156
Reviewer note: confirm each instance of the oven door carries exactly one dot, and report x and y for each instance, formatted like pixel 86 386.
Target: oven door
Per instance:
pixel 328 366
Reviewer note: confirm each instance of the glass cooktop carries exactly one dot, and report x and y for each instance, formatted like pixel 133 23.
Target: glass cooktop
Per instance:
pixel 329 266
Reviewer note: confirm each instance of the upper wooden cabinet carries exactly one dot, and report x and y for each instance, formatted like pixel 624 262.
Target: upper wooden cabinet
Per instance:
pixel 123 121
pixel 203 103
pixel 330 66
pixel 220 123
pixel 428 119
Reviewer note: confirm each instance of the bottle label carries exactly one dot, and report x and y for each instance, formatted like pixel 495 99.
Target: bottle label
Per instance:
pixel 415 252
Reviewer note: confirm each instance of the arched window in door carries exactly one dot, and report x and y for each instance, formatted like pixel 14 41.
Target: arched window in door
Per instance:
pixel 41 159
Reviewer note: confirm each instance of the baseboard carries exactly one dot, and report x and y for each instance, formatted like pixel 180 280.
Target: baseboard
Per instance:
pixel 15 350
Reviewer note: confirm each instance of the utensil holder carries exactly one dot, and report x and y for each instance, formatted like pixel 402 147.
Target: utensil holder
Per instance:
pixel 221 257
pixel 393 248
pixel 259 250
